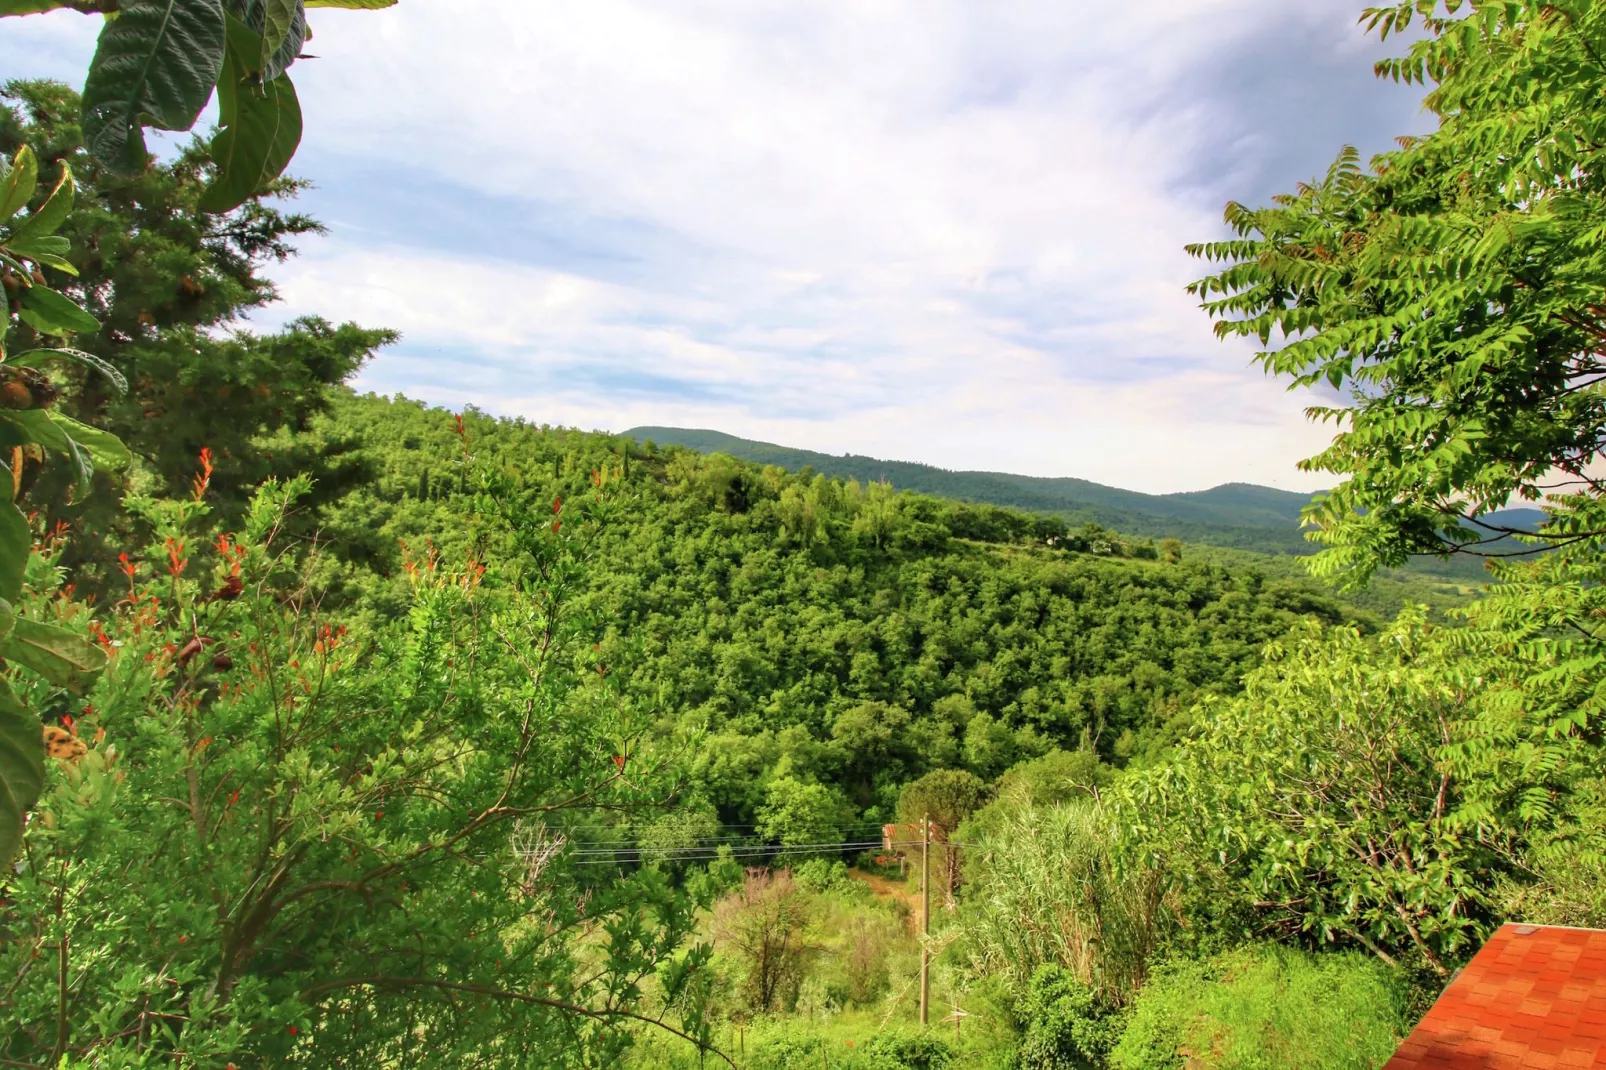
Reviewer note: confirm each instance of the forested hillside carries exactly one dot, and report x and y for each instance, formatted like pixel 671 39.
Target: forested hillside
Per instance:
pixel 1240 516
pixel 805 619
pixel 345 730
pixel 1235 514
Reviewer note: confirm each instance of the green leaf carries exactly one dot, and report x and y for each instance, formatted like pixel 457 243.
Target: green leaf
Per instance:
pixel 43 431
pixel 42 246
pixel 29 7
pixel 16 189
pixel 50 216
pixel 261 127
pixel 49 312
pixel 155 65
pixel 16 542
pixel 250 27
pixel 51 261
pixel 279 18
pixel 22 768
pixel 33 358
pixel 64 658
pixel 105 448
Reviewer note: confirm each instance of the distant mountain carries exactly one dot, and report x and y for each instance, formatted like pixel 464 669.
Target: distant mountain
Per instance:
pixel 1239 515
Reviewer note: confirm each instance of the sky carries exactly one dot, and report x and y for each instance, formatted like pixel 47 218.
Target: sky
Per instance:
pixel 924 230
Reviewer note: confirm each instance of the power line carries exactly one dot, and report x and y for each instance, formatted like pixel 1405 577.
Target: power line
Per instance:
pixel 708 839
pixel 756 851
pixel 844 844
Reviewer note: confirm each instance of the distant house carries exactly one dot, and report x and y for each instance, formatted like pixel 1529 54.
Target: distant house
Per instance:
pixel 1534 997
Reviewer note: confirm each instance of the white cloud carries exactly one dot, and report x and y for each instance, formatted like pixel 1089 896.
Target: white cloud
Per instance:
pixel 922 229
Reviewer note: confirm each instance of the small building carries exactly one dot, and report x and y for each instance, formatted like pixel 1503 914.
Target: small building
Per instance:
pixel 1533 998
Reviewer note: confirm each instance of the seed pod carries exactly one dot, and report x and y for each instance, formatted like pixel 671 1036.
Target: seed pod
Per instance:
pixel 44 392
pixel 38 277
pixel 222 663
pixel 14 394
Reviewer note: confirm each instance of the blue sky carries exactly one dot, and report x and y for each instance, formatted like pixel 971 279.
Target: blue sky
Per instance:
pixel 937 231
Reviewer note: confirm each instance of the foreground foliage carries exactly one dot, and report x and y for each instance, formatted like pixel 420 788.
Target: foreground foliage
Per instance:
pixel 285 841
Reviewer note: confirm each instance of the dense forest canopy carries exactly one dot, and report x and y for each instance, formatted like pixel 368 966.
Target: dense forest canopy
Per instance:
pixel 378 734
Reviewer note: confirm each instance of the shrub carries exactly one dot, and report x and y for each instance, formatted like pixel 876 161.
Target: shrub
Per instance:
pixel 904 1049
pixel 768 923
pixel 1067 1025
pixel 821 875
pixel 1044 888
pixel 1266 1008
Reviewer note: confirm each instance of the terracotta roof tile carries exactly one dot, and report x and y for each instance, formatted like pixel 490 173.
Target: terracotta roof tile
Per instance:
pixel 1534 998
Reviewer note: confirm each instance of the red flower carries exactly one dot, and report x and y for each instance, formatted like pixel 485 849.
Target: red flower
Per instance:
pixel 204 479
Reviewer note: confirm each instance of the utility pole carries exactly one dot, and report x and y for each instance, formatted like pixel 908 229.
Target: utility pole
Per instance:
pixel 925 916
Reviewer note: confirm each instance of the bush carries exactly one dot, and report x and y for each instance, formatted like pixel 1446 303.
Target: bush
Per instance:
pixel 1066 1025
pixel 768 925
pixel 900 1049
pixel 821 875
pixel 1265 1008
pixel 794 1049
pixel 1045 889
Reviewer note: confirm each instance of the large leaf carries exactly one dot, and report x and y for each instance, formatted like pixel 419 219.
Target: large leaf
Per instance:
pixel 43 431
pixel 284 25
pixel 105 448
pixel 49 312
pixel 41 248
pixel 22 768
pixel 278 16
pixel 51 215
pixel 261 127
pixel 155 65
pixel 16 188
pixel 65 658
pixel 276 30
pixel 33 358
pixel 16 541
pixel 29 7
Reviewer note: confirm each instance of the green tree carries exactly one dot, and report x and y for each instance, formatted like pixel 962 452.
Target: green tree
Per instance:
pixel 945 798
pixel 282 840
pixel 168 282
pixel 769 924
pixel 1325 800
pixel 1453 290
pixel 797 812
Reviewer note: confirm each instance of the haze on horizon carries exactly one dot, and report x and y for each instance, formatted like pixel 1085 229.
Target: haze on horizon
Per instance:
pixel 929 232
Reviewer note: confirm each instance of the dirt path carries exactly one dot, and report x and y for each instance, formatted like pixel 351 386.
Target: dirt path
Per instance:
pixel 898 890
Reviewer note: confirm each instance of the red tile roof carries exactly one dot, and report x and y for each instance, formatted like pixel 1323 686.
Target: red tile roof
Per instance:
pixel 1533 998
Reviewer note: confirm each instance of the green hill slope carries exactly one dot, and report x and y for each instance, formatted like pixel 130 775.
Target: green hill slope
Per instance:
pixel 850 635
pixel 1242 516
pixel 1235 514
